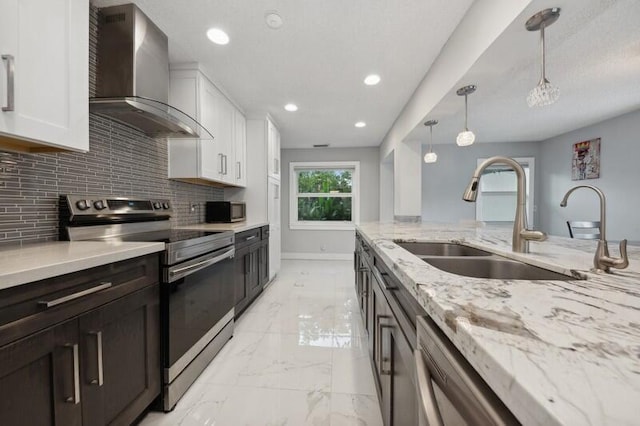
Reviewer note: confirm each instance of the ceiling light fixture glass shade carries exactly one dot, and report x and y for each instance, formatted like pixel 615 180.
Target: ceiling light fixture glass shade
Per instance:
pixel 544 93
pixel 291 107
pixel 431 157
pixel 466 137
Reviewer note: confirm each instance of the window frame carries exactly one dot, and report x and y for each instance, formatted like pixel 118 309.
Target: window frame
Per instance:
pixel 296 224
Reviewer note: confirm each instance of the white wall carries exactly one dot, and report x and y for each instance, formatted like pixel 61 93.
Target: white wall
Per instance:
pixel 444 182
pixel 323 243
pixel 619 179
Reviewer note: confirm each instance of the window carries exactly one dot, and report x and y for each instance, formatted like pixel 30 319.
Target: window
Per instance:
pixel 324 195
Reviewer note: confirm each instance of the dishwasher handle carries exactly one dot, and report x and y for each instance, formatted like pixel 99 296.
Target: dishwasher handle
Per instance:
pixel 426 395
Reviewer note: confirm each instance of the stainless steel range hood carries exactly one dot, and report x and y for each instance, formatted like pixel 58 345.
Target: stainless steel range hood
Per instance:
pixel 132 76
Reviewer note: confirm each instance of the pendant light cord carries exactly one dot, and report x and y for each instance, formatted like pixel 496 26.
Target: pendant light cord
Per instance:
pixel 543 79
pixel 466 113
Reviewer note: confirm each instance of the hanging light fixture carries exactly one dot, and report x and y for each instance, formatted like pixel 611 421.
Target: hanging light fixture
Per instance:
pixel 466 137
pixel 431 157
pixel 544 93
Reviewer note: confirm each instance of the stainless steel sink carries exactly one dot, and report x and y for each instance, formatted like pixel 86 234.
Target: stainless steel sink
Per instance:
pixel 493 267
pixel 441 249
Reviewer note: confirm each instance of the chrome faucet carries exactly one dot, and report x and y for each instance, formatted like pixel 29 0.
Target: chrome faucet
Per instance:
pixel 601 260
pixel 521 235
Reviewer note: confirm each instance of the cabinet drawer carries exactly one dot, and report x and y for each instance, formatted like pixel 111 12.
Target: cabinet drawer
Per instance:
pixel 31 307
pixel 248 237
pixel 265 232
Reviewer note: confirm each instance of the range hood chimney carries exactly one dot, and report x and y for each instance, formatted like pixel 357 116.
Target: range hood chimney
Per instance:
pixel 132 77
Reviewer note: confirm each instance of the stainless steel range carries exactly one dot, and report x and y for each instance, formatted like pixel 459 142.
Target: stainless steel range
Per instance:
pixel 197 291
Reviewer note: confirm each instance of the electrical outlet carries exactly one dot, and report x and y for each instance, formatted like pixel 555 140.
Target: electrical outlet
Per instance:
pixel 192 207
pixel 323 248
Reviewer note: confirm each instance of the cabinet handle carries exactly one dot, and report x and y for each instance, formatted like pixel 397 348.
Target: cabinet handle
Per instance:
pixel 379 342
pixel 384 282
pixel 385 360
pixel 75 399
pixel 225 164
pixel 239 170
pixel 65 299
pixel 10 60
pixel 426 396
pixel 250 238
pixel 100 380
pixel 220 167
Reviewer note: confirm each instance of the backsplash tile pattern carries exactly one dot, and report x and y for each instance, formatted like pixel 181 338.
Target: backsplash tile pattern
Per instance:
pixel 121 161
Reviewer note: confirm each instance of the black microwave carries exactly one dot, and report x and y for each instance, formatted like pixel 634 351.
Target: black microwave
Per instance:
pixel 225 211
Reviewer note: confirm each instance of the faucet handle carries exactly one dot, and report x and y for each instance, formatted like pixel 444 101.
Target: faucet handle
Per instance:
pixel 533 235
pixel 618 263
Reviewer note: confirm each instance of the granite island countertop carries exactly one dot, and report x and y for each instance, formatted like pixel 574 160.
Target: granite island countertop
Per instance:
pixel 34 262
pixel 556 352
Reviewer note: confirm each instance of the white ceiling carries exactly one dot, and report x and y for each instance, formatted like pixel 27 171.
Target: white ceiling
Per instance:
pixel 318 59
pixel 593 56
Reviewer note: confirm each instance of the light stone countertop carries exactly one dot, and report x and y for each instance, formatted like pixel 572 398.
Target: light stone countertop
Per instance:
pixel 556 352
pixel 34 262
pixel 235 227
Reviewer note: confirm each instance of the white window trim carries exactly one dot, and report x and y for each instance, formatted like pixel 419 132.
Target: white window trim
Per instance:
pixel 294 223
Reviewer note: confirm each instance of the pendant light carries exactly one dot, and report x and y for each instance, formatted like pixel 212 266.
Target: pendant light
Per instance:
pixel 431 157
pixel 544 93
pixel 466 137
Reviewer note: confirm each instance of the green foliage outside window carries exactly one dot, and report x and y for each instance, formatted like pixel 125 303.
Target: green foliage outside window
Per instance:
pixel 321 208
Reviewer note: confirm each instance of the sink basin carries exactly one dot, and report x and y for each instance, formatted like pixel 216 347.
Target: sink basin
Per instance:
pixel 441 249
pixel 493 267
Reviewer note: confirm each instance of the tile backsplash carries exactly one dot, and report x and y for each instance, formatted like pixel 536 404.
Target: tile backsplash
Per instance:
pixel 121 161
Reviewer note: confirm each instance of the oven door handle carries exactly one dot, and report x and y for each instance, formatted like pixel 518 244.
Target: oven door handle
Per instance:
pixel 205 263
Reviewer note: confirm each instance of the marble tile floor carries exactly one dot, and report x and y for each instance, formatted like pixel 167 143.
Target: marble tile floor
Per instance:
pixel 298 357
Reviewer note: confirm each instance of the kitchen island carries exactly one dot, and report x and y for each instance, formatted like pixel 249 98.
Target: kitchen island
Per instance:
pixel 555 352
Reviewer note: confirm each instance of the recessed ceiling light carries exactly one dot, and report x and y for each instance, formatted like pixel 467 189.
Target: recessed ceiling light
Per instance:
pixel 218 36
pixel 361 124
pixel 372 79
pixel 273 20
pixel 291 107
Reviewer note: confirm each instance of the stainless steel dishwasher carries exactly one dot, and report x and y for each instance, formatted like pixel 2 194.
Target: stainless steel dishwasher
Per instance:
pixel 450 391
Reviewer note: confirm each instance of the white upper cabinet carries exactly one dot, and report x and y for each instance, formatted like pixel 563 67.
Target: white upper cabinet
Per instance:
pixel 205 160
pixel 44 75
pixel 273 150
pixel 240 142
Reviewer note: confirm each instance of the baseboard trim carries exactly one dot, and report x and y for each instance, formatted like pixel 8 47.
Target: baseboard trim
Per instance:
pixel 317 256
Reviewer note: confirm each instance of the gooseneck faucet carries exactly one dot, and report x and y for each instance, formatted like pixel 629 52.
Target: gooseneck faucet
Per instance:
pixel 521 234
pixel 601 260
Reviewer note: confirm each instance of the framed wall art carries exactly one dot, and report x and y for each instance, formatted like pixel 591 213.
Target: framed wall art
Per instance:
pixel 585 162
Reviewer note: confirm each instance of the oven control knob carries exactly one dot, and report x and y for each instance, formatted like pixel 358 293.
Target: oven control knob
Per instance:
pixel 165 206
pixel 156 206
pixel 83 204
pixel 99 205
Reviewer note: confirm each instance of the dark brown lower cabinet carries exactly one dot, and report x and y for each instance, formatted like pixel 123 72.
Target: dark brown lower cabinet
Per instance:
pixel 264 262
pixel 117 384
pixel 251 267
pixel 97 367
pixel 38 378
pixel 389 347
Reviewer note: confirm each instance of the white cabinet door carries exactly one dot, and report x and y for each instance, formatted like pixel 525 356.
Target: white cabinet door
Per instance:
pixel 224 137
pixel 240 142
pixel 273 212
pixel 211 153
pixel 273 136
pixel 47 45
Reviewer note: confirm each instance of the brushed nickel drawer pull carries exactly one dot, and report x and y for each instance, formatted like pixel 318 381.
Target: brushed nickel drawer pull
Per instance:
pixel 100 380
pixel 10 82
pixel 75 399
pixel 51 303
